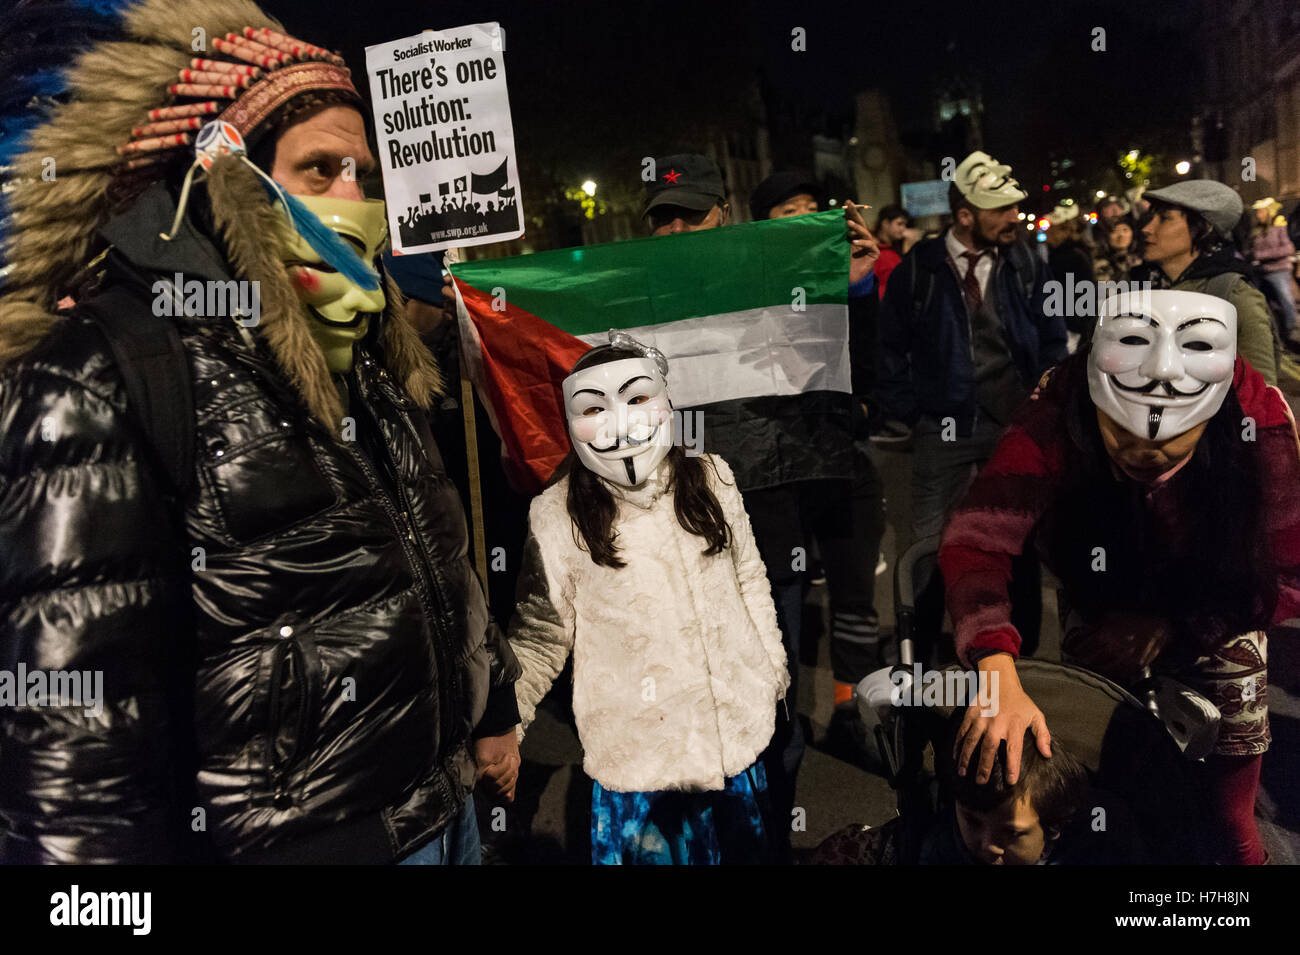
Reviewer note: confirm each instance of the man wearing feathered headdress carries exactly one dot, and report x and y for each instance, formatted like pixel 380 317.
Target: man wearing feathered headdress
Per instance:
pixel 237 618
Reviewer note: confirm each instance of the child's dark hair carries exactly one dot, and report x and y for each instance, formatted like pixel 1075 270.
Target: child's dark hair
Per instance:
pixel 592 507
pixel 1057 788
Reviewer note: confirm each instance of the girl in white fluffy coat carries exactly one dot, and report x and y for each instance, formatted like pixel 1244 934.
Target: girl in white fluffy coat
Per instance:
pixel 640 562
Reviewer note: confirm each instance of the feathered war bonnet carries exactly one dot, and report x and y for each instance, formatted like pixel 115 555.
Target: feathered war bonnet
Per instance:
pixel 87 121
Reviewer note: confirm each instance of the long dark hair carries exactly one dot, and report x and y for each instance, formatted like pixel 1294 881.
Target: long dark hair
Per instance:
pixel 592 507
pixel 1219 580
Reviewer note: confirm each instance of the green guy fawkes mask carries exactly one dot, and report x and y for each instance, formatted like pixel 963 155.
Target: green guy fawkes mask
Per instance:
pixel 339 308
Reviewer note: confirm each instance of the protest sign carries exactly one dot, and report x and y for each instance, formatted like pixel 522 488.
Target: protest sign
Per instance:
pixel 446 144
pixel 928 198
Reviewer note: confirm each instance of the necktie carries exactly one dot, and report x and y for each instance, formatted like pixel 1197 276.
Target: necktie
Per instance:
pixel 970 284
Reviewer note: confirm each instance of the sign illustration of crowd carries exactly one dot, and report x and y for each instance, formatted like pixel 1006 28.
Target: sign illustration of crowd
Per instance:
pixel 458 209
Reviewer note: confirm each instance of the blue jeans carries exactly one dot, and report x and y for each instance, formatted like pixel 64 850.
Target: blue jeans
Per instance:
pixel 457 844
pixel 1281 283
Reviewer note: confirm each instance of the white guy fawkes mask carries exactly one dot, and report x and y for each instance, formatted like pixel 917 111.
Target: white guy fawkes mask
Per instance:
pixel 620 418
pixel 1162 362
pixel 987 183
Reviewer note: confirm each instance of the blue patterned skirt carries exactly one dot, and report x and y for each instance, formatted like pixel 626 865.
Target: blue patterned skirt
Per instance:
pixel 722 827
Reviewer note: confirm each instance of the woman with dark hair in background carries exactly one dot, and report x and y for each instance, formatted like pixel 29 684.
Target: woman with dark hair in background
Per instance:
pixel 1115 255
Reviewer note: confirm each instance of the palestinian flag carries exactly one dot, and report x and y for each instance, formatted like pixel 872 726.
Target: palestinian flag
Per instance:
pixel 748 315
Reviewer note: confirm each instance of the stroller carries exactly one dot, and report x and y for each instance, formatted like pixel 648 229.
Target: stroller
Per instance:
pixel 1140 751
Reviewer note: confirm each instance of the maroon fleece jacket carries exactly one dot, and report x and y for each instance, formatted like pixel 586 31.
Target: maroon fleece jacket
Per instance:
pixel 1020 481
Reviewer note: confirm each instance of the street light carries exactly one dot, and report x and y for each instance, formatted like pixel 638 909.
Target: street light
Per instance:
pixel 589 188
pixel 1183 168
pixel 1101 193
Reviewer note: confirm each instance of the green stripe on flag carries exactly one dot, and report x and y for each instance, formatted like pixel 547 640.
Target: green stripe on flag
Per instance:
pixel 670 278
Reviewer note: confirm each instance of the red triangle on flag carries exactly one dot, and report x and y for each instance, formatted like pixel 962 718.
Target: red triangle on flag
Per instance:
pixel 525 359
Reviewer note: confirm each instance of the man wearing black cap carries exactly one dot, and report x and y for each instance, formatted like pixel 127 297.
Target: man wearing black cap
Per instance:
pixel 790 193
pixel 686 195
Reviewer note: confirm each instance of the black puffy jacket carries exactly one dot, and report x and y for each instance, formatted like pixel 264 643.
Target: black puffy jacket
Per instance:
pixel 292 667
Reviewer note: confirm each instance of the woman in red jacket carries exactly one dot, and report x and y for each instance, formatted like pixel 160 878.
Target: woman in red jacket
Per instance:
pixel 1162 477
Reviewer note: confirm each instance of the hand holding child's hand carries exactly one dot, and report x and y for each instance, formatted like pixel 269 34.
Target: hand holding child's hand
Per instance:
pixel 497 758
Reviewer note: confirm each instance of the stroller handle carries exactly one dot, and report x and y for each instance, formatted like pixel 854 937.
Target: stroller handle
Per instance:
pixel 909 579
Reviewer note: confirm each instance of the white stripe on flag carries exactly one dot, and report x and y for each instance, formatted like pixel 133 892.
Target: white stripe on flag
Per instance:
pixel 759 351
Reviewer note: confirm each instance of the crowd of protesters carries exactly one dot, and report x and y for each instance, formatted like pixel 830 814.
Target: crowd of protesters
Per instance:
pixel 241 528
pixel 949 336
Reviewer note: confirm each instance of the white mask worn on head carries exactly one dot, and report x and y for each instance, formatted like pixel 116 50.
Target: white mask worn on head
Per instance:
pixel 987 183
pixel 620 418
pixel 1162 362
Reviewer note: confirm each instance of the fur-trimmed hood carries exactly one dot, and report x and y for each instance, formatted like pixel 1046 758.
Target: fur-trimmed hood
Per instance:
pixel 243 245
pixel 56 226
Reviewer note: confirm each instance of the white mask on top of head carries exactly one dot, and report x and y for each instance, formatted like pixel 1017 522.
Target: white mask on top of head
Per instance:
pixel 620 417
pixel 1162 362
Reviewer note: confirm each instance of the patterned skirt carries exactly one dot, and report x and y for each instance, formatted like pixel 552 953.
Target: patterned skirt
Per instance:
pixel 1233 677
pixel 665 827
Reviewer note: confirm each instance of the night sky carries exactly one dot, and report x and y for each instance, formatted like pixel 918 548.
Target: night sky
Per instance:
pixel 595 85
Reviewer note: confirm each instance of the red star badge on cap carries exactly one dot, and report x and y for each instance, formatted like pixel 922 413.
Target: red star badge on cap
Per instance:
pixel 671 176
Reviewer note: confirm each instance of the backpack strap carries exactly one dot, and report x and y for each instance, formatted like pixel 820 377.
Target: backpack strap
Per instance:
pixel 1221 285
pixel 155 371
